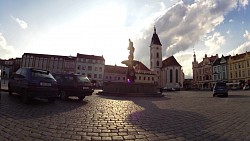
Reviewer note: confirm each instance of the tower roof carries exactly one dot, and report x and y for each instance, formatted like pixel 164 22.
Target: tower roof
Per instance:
pixel 155 39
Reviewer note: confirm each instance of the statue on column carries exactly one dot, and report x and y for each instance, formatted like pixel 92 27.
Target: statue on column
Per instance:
pixel 130 63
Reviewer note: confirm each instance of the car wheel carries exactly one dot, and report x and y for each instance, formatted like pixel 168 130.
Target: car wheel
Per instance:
pixel 25 98
pixel 63 95
pixel 81 97
pixel 10 91
pixel 51 100
pixel 226 95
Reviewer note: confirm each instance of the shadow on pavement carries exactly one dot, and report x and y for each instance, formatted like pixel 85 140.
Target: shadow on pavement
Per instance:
pixel 132 98
pixel 12 106
pixel 170 123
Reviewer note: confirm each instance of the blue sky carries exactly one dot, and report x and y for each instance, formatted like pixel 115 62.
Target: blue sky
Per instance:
pixel 67 27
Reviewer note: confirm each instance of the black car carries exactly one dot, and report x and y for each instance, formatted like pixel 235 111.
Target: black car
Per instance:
pixel 73 85
pixel 33 83
pixel 220 88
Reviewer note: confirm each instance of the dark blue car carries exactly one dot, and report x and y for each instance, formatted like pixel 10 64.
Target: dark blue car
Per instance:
pixel 73 85
pixel 33 83
pixel 220 88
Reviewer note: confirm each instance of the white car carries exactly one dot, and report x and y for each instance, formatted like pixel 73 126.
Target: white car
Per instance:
pixel 246 87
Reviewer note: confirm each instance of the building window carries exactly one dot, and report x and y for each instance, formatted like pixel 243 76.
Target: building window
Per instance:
pixel 153 78
pixel 95 75
pixel 171 76
pixel 96 69
pixel 123 78
pixel 89 68
pixel 176 76
pixel 157 55
pixel 118 78
pixel 83 73
pixel 83 67
pixel 79 67
pixel 157 63
pixel 89 75
pixel 148 78
pixel 139 77
pixel 100 76
pixel 100 69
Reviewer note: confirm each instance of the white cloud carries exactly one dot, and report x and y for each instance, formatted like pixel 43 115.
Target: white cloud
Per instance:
pixel 243 3
pixel 183 26
pixel 6 50
pixel 228 32
pixel 214 42
pixel 240 49
pixel 243 47
pixel 231 20
pixel 20 22
pixel 246 35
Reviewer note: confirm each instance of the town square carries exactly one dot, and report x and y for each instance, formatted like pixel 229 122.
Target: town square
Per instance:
pixel 178 116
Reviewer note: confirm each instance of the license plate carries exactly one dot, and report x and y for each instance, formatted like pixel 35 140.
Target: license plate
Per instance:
pixel 84 88
pixel 45 84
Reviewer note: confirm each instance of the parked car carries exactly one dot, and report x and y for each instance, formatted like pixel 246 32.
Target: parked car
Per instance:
pixel 220 88
pixel 73 85
pixel 165 89
pixel 33 83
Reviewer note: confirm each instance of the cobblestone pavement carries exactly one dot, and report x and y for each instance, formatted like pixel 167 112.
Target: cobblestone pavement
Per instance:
pixel 177 116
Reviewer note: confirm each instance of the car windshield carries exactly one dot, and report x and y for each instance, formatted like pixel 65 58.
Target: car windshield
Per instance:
pixel 221 84
pixel 41 74
pixel 82 79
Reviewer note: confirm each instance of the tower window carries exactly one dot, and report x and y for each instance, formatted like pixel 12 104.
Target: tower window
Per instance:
pixel 157 63
pixel 157 55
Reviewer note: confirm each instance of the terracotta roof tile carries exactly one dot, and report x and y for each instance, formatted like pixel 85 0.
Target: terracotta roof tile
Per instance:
pixel 141 67
pixel 90 56
pixel 170 61
pixel 115 69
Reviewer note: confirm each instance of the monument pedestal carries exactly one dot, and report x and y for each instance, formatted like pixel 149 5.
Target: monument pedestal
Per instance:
pixel 130 89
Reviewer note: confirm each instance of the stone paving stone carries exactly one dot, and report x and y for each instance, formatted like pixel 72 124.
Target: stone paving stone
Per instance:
pixel 180 115
pixel 117 138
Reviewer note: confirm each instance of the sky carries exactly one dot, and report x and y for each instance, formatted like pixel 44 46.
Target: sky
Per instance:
pixel 101 27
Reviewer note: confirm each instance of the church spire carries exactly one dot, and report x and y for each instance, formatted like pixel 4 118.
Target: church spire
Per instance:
pixel 194 56
pixel 155 39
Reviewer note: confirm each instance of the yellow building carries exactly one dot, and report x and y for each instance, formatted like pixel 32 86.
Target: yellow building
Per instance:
pixel 239 69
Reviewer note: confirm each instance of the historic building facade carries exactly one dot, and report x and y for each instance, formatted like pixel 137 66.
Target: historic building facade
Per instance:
pixel 239 68
pixel 118 74
pixel 91 66
pixel 53 63
pixel 169 72
pixel 202 72
pixel 219 70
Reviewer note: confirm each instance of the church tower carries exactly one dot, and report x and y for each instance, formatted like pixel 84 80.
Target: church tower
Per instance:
pixel 195 69
pixel 156 54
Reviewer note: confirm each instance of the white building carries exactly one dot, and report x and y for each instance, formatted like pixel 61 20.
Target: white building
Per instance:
pixel 169 71
pixel 115 73
pixel 91 66
pixel 53 63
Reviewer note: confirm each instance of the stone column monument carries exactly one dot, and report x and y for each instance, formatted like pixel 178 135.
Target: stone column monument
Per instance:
pixel 131 63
